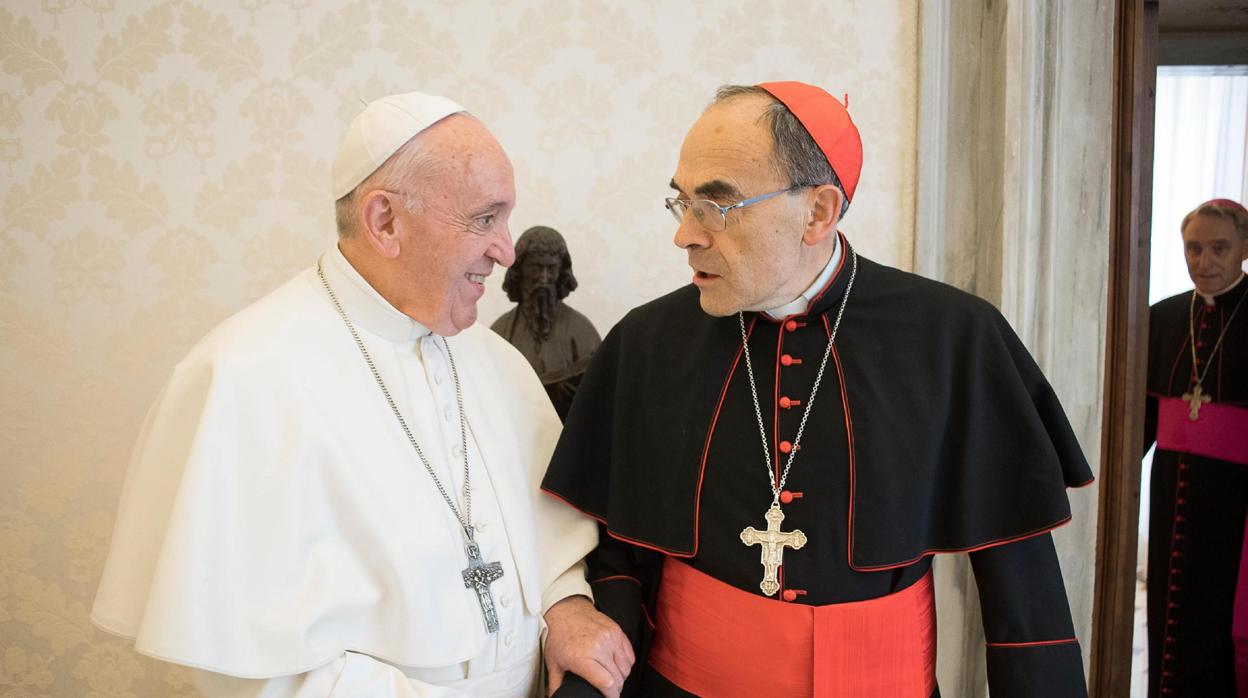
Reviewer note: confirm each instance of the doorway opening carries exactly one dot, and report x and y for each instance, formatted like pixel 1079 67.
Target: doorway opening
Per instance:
pixel 1200 152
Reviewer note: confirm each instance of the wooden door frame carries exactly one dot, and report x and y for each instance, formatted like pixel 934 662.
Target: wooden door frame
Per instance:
pixel 1122 433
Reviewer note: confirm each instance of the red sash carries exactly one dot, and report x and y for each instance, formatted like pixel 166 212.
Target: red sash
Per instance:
pixel 713 639
pixel 1221 432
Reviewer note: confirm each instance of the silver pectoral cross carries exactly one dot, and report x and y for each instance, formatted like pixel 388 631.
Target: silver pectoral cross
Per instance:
pixel 1196 398
pixel 479 575
pixel 773 542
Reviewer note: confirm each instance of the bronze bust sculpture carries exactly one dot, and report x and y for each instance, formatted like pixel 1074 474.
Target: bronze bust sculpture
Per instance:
pixel 556 339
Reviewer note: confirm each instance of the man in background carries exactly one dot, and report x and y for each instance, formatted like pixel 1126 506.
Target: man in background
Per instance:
pixel 1197 413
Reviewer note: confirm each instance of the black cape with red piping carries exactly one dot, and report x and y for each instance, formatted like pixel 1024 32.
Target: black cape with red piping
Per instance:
pixel 933 431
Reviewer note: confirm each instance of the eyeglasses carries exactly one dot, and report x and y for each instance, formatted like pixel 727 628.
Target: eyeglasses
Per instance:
pixel 711 215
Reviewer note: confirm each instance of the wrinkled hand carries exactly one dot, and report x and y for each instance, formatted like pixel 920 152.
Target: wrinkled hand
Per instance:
pixel 587 643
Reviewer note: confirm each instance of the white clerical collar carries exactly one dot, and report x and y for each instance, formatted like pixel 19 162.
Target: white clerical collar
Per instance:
pixel 799 305
pixel 364 305
pixel 1209 300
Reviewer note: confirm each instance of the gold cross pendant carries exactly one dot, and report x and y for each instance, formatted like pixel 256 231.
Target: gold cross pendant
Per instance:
pixel 773 542
pixel 1196 398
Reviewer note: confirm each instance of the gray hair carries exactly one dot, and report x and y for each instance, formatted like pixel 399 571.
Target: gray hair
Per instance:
pixel 798 158
pixel 402 172
pixel 1218 209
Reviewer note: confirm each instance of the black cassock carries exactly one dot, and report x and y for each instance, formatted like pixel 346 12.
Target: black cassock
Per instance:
pixel 1197 505
pixel 933 431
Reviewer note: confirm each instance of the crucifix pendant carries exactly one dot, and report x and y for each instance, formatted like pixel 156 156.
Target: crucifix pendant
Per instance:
pixel 773 542
pixel 1196 398
pixel 479 575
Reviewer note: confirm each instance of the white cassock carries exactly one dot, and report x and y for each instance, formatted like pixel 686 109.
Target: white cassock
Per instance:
pixel 276 524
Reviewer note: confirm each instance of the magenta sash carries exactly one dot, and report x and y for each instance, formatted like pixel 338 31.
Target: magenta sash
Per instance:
pixel 1221 432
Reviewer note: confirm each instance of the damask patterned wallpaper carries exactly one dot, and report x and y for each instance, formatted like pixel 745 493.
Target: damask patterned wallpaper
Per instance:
pixel 164 163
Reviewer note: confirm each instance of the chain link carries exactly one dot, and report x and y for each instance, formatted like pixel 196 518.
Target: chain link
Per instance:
pixel 758 411
pixel 465 519
pixel 1191 324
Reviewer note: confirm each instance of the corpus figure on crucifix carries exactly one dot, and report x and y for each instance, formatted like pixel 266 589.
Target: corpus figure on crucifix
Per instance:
pixel 1197 413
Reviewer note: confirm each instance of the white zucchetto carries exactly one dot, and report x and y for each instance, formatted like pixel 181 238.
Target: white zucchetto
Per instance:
pixel 380 130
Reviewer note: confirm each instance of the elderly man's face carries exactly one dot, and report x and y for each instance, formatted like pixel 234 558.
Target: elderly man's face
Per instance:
pixel 1215 252
pixel 726 157
pixel 459 228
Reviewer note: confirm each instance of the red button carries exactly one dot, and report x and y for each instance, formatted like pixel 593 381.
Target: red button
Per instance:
pixel 785 447
pixel 786 403
pixel 787 497
pixel 790 595
pixel 787 360
pixel 790 325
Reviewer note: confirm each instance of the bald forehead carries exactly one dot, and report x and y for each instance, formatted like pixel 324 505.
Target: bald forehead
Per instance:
pixel 727 151
pixel 459 134
pixel 459 146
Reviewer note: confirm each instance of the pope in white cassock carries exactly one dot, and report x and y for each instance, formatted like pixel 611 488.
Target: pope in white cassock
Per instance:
pixel 336 492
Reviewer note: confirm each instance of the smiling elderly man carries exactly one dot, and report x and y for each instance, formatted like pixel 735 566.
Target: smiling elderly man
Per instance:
pixel 1197 412
pixel 897 418
pixel 336 491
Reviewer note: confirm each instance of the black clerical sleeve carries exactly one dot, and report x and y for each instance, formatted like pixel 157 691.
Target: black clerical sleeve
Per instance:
pixel 624 579
pixel 1032 650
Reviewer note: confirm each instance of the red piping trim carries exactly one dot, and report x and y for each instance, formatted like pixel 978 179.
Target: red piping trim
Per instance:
pixel 1174 367
pixel 710 433
pixel 583 510
pixel 697 503
pixel 1042 643
pixel 1089 481
pixel 849 430
pixel 613 534
pixel 617 578
pixel 775 430
pixel 972 549
pixel 1221 349
pixel 845 252
pixel 645 612
pixel 849 440
pixel 775 412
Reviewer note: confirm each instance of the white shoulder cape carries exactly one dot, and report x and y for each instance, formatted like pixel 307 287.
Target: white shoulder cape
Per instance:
pixel 274 516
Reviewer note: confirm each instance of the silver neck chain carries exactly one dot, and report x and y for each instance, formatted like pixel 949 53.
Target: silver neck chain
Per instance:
pixel 758 411
pixel 465 518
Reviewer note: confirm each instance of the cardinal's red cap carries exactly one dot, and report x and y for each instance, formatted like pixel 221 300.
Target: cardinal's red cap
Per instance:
pixel 828 123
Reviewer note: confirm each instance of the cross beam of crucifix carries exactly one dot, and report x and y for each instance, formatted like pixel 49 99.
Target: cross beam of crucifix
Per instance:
pixel 773 542
pixel 479 575
pixel 1196 398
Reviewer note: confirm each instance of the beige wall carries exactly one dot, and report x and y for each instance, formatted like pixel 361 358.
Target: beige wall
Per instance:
pixel 163 164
